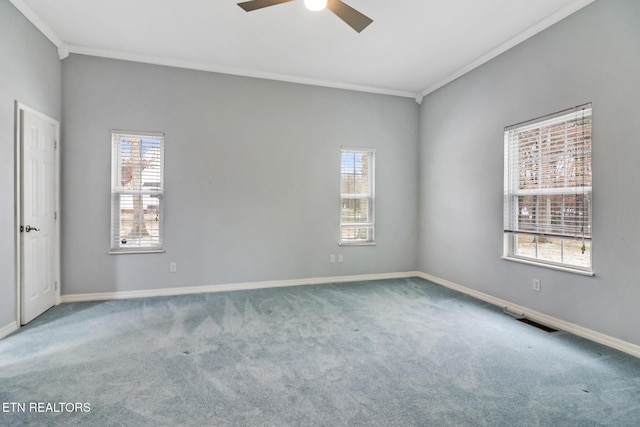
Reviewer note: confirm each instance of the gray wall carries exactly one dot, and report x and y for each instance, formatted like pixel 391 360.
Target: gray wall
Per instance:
pixel 593 55
pixel 251 171
pixel 30 73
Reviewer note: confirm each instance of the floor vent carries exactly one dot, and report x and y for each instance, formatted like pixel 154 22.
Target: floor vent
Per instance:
pixel 537 325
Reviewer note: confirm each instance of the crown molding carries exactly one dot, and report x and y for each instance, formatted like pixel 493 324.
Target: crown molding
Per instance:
pixel 42 27
pixel 528 33
pixel 206 66
pixel 64 50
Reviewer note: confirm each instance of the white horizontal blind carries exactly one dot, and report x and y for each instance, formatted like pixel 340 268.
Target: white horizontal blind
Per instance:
pixel 548 179
pixel 137 187
pixel 357 210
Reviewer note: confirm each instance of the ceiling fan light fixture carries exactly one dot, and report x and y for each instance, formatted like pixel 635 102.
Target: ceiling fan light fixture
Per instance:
pixel 315 5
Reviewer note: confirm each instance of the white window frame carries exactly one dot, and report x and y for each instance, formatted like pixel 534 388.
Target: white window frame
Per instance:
pixel 367 226
pixel 121 244
pixel 563 228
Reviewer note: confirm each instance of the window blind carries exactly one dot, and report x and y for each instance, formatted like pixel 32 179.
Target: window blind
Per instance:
pixel 357 212
pixel 548 178
pixel 137 188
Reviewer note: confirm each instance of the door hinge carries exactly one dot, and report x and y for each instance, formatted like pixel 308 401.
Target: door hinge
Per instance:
pixel 55 145
pixel 55 215
pixel 56 286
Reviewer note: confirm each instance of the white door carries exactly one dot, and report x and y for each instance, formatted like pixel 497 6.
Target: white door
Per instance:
pixel 38 257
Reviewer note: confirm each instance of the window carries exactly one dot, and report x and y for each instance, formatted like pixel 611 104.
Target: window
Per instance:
pixel 137 162
pixel 547 189
pixel 357 196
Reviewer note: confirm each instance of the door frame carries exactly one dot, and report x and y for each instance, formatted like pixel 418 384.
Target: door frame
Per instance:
pixel 20 108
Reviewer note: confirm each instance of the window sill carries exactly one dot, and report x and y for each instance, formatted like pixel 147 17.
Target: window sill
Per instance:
pixel 356 243
pixel 551 266
pixel 136 251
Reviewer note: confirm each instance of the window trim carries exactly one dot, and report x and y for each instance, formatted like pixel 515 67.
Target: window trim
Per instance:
pixel 159 193
pixel 550 265
pixel 371 197
pixel 511 233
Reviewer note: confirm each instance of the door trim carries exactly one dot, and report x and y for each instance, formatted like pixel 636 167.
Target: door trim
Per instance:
pixel 19 109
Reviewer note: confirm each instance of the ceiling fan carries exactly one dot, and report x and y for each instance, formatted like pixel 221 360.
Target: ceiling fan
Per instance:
pixel 352 17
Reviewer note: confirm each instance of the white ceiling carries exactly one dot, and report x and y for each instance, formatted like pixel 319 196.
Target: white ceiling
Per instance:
pixel 412 47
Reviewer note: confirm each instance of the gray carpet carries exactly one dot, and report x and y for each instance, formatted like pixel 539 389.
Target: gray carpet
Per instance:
pixel 381 353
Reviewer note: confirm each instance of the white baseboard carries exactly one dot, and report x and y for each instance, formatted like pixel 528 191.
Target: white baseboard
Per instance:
pixel 578 330
pixel 6 330
pixel 232 287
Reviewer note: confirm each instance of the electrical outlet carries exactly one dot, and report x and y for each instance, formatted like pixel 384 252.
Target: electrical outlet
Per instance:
pixel 332 258
pixel 340 258
pixel 173 267
pixel 536 285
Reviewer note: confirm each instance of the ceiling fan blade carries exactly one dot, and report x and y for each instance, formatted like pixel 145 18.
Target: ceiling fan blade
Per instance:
pixel 259 4
pixel 352 17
